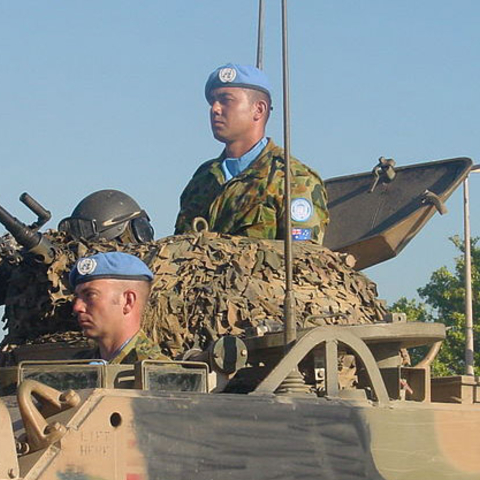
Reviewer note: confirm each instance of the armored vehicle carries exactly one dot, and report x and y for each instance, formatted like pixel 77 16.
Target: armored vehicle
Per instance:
pixel 342 403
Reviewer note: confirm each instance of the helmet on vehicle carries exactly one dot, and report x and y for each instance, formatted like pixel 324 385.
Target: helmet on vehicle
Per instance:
pixel 108 214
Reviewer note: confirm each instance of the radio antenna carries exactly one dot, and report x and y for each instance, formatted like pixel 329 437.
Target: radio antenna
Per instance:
pixel 290 328
pixel 261 33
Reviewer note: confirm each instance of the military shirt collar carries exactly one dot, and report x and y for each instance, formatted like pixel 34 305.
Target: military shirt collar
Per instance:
pixel 124 350
pixel 234 166
pixel 253 169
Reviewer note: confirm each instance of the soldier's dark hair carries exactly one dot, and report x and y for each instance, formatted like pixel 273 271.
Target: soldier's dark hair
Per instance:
pixel 256 96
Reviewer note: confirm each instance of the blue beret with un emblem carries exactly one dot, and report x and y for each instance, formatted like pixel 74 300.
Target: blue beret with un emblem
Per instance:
pixel 234 75
pixel 112 265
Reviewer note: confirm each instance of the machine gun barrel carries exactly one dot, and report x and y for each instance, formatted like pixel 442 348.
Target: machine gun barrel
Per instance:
pixel 22 234
pixel 32 240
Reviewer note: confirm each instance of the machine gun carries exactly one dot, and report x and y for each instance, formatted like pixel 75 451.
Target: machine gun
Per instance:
pixel 28 235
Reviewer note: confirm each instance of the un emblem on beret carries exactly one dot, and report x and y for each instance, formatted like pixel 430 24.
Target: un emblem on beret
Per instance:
pixel 227 75
pixel 85 266
pixel 301 210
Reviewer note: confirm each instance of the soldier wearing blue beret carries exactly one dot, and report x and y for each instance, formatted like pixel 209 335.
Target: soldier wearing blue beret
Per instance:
pixel 111 293
pixel 242 191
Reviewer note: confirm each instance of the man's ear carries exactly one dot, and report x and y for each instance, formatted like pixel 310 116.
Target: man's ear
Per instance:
pixel 129 301
pixel 261 108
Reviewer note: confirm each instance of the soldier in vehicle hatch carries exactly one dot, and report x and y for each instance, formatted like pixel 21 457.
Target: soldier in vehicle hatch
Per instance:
pixel 241 192
pixel 111 293
pixel 108 215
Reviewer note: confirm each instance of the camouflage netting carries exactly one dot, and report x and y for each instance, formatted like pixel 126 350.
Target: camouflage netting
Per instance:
pixel 206 285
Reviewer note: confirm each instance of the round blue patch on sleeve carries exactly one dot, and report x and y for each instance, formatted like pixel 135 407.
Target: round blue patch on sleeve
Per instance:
pixel 301 209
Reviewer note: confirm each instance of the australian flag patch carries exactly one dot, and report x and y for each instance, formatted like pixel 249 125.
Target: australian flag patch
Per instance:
pixel 301 234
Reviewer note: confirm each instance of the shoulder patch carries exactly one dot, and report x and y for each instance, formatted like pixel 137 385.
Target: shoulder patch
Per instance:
pixel 301 209
pixel 301 234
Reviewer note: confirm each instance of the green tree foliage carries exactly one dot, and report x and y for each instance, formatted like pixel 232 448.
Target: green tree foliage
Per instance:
pixel 443 300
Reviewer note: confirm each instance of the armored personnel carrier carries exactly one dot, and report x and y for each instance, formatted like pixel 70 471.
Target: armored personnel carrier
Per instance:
pixel 342 403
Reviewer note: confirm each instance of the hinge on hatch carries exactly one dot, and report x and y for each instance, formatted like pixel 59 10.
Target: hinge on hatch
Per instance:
pixel 385 170
pixel 435 200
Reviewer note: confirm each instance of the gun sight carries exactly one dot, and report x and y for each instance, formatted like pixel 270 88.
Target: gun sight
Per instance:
pixel 42 213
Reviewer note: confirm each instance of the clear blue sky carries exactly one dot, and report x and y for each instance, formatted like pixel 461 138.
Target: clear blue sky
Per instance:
pixel 109 94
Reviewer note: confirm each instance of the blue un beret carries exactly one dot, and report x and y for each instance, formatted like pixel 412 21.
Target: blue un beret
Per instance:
pixel 234 75
pixel 116 265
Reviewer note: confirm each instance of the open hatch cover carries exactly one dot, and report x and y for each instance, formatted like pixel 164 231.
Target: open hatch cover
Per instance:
pixel 374 215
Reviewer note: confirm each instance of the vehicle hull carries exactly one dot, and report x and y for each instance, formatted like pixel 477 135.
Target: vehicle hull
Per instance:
pixel 133 435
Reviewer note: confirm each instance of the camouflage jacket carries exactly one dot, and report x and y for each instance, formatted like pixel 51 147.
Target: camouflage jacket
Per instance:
pixel 140 347
pixel 251 203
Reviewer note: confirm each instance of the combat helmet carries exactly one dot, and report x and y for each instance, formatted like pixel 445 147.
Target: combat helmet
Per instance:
pixel 109 215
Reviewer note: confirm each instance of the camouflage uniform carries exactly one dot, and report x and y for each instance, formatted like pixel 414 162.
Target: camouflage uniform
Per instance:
pixel 140 347
pixel 251 203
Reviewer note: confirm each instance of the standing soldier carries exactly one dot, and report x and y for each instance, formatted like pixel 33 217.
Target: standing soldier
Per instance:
pixel 242 191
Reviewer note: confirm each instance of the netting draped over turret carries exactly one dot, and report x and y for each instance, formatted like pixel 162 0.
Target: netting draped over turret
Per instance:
pixel 206 285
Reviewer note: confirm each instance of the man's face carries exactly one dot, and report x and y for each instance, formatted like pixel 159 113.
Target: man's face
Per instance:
pixel 231 113
pixel 98 306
